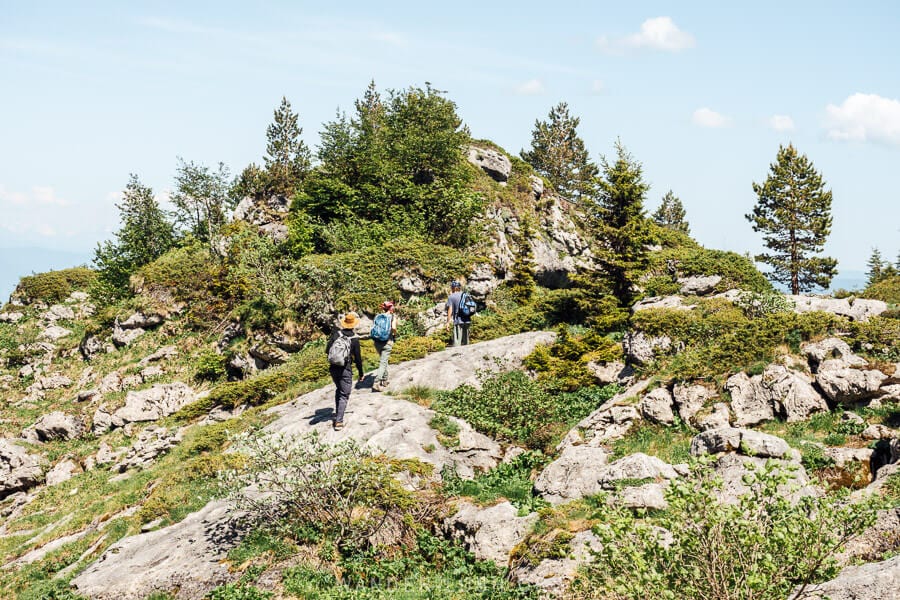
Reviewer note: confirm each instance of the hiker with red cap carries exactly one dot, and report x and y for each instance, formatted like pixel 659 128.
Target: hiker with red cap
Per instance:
pixel 383 334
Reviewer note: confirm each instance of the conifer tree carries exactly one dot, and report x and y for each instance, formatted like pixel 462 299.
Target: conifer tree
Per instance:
pixel 559 154
pixel 287 156
pixel 615 216
pixel 876 266
pixel 670 214
pixel 793 213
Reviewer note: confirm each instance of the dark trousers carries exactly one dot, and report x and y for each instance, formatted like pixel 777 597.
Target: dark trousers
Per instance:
pixel 343 381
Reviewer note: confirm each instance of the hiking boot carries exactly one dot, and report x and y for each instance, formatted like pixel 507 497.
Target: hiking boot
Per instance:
pixel 377 387
pixel 338 425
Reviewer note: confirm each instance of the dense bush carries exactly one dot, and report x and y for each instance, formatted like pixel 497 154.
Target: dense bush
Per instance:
pixel 737 271
pixel 878 337
pixel 887 289
pixel 310 488
pixel 761 548
pixel 719 338
pixel 564 364
pixel 513 407
pixel 54 286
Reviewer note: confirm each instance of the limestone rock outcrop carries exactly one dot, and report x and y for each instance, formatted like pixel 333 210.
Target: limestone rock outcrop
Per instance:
pixel 489 533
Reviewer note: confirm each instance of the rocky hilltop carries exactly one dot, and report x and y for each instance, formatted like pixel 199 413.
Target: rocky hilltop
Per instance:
pixel 177 442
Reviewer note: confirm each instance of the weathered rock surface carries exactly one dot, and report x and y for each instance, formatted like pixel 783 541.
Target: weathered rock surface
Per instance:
pixel 674 302
pixel 610 421
pixel 19 470
pixel 859 310
pixel 489 533
pixel 574 474
pixel 492 162
pixel 872 581
pixel 11 317
pixel 151 443
pixel 699 285
pixel 400 428
pixel 124 337
pixel 876 541
pixel 790 393
pixel 690 400
pixel 841 383
pixel 641 348
pixel 553 576
pixel 830 349
pixel 141 321
pixel 62 471
pixel 154 403
pixel 745 441
pixel 750 407
pixel 656 406
pixel 186 559
pixel 53 333
pixel 719 416
pixel 611 372
pixel 635 466
pixel 55 426
pixel 733 468
pixel 58 312
pixel 647 496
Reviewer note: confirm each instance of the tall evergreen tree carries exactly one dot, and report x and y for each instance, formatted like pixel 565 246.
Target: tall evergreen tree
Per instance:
pixel 144 236
pixel 559 154
pixel 670 214
pixel 287 156
pixel 793 213
pixel 876 267
pixel 615 217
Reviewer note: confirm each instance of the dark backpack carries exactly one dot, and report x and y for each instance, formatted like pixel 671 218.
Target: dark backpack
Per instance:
pixel 381 328
pixel 467 306
pixel 339 352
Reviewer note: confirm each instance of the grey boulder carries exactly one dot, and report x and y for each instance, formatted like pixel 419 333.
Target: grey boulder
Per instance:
pixel 573 475
pixel 489 533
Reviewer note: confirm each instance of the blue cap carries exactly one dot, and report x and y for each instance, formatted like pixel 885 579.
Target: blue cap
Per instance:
pixel 454 284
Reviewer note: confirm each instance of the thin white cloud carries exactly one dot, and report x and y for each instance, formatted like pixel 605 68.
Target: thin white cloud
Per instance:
pixel 658 33
pixel 532 87
pixel 864 118
pixel 390 38
pixel 705 117
pixel 597 87
pixel 47 196
pixel 39 196
pixel 781 123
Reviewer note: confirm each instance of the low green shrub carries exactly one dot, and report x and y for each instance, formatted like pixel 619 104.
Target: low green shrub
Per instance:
pixel 887 290
pixel 671 444
pixel 209 365
pixel 563 365
pixel 510 480
pixel 737 271
pixel 878 338
pixel 765 546
pixel 238 591
pixel 415 347
pixel 54 286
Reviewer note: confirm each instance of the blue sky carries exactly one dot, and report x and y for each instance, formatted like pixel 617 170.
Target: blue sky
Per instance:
pixel 702 93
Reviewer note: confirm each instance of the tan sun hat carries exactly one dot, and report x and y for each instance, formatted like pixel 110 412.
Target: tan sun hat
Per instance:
pixel 349 320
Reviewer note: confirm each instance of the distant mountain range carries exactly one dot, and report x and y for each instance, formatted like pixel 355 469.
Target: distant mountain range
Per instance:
pixel 18 262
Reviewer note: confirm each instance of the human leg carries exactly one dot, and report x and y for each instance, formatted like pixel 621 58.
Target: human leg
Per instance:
pixel 384 352
pixel 344 384
pixel 464 334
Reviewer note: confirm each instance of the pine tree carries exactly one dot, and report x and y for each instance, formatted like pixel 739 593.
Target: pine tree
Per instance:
pixel 287 156
pixel 794 214
pixel 615 217
pixel 876 267
pixel 670 214
pixel 559 154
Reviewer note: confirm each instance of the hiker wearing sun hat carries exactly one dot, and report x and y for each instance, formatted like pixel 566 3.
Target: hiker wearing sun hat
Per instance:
pixel 343 351
pixel 383 334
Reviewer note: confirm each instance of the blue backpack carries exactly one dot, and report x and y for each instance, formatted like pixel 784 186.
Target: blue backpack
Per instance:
pixel 467 306
pixel 381 328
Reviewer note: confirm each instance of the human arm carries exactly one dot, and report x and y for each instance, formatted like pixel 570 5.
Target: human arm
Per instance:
pixel 357 357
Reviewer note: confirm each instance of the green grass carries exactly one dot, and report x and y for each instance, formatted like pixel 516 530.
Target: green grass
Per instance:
pixel 671 444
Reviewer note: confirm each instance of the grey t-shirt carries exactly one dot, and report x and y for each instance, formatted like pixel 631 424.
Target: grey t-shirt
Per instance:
pixel 453 303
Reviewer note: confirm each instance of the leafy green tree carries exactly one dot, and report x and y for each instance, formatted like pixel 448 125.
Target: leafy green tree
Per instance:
pixel 398 161
pixel 670 214
pixel 615 217
pixel 202 200
pixel 287 156
pixel 793 213
pixel 144 236
pixel 558 153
